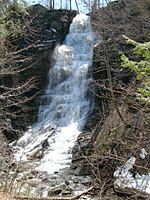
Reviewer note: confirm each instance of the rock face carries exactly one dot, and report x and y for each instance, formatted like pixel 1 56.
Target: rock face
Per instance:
pixel 46 30
pixel 124 17
pixel 116 138
pixel 81 149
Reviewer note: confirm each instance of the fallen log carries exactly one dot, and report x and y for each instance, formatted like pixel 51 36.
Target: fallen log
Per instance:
pixel 119 187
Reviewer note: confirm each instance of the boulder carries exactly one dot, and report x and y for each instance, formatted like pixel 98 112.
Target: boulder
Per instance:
pixel 54 192
pixel 79 153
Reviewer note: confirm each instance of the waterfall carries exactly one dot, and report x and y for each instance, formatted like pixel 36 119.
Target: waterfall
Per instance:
pixel 65 104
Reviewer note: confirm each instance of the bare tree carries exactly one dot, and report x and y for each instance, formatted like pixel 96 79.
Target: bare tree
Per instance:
pixel 13 61
pixel 123 125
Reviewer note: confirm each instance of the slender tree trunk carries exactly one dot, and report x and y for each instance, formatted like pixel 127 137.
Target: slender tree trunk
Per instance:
pixel 60 4
pixel 94 6
pixel 53 4
pixel 98 2
pixel 77 5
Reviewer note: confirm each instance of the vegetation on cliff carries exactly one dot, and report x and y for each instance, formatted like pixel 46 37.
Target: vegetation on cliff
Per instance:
pixel 141 68
pixel 122 130
pixel 12 59
pixel 27 42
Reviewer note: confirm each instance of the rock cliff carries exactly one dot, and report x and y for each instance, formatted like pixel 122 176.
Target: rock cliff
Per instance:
pixel 124 17
pixel 46 29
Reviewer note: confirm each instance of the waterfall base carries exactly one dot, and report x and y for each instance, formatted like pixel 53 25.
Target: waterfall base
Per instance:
pixel 31 182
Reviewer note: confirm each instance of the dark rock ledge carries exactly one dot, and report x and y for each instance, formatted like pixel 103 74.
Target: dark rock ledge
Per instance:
pixel 47 29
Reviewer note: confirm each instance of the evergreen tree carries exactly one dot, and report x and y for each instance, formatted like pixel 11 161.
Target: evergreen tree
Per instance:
pixel 141 68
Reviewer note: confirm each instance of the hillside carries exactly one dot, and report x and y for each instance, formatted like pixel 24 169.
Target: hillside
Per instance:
pixel 119 122
pixel 122 130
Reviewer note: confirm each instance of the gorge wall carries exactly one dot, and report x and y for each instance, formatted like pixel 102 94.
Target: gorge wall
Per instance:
pixel 129 18
pixel 45 30
pixel 124 17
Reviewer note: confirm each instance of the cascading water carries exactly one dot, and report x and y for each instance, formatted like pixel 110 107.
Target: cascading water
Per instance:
pixel 65 106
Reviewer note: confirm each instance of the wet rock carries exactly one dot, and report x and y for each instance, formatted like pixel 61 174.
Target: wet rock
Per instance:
pixel 33 183
pixel 51 27
pixel 82 147
pixel 87 183
pixel 37 154
pixel 45 180
pixel 82 170
pixel 23 167
pixel 70 189
pixel 66 193
pixel 67 183
pixel 30 177
pixel 76 180
pixel 35 172
pixel 28 183
pixel 13 166
pixel 54 192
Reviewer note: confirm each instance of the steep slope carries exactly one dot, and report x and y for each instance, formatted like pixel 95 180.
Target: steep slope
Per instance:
pixel 119 122
pixel 46 29
pixel 121 127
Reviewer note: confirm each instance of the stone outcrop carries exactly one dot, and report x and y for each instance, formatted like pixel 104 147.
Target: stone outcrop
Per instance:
pixel 46 29
pixel 80 150
pixel 124 17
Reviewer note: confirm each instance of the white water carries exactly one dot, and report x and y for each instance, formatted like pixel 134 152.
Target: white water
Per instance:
pixel 66 105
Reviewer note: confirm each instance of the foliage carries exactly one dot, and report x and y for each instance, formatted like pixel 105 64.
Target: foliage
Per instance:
pixel 141 68
pixel 9 18
pixel 11 29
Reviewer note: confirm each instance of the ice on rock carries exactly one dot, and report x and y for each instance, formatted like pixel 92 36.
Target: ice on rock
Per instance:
pixel 127 180
pixel 143 154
